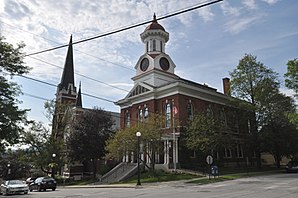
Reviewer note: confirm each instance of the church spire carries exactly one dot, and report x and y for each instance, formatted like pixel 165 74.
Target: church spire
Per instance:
pixel 79 98
pixel 68 71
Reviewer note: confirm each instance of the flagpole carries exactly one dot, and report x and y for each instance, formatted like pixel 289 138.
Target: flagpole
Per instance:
pixel 174 137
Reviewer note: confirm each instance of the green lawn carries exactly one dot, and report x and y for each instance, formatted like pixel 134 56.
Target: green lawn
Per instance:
pixel 161 176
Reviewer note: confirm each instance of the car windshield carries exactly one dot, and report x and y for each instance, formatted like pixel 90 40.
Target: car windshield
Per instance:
pixel 47 179
pixel 14 182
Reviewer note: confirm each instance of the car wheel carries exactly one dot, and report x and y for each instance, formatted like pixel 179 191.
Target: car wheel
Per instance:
pixel 5 192
pixel 30 189
pixel 53 189
pixel 25 192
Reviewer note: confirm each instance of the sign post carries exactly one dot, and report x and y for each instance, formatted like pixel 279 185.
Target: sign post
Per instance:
pixel 209 160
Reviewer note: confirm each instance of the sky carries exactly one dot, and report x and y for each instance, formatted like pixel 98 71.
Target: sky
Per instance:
pixel 205 44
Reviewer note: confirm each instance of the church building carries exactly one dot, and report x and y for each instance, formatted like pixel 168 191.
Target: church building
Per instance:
pixel 68 105
pixel 158 89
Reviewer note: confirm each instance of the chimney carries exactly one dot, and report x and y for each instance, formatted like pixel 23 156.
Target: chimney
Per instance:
pixel 226 86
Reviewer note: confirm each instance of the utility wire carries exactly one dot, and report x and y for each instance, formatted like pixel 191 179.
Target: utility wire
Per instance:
pixel 127 28
pixel 101 59
pixel 82 75
pixel 50 84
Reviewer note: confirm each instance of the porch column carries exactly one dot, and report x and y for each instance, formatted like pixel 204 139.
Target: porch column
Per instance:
pixel 165 152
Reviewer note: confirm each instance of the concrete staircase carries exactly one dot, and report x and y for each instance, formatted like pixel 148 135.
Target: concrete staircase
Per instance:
pixel 119 173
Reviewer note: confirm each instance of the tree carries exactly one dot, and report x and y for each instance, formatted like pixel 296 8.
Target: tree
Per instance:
pixel 206 134
pixel 42 146
pixel 279 136
pixel 292 75
pixel 252 82
pixel 124 141
pixel 11 117
pixel 87 138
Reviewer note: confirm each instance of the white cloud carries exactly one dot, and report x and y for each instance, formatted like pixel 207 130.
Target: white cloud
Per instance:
pixel 206 14
pixel 229 10
pixel 250 4
pixel 271 2
pixel 239 24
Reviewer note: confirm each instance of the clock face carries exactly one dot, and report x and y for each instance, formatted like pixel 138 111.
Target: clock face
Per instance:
pixel 144 64
pixel 164 63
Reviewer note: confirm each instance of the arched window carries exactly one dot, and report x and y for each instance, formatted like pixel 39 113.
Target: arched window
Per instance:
pixel 140 115
pixel 249 126
pixel 127 119
pixel 190 111
pixel 168 113
pixel 209 111
pixel 154 45
pixel 146 114
pixel 222 117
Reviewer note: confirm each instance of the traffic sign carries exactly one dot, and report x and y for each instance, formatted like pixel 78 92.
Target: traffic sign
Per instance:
pixel 209 159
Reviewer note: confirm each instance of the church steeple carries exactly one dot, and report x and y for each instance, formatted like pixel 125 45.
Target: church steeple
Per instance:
pixel 67 80
pixel 66 90
pixel 79 98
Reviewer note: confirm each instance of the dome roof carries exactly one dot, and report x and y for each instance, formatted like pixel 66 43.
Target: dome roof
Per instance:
pixel 154 25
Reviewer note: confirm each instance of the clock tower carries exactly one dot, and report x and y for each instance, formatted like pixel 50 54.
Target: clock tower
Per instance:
pixel 154 64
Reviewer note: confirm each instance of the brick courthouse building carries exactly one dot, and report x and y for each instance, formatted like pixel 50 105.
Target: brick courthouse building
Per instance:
pixel 158 89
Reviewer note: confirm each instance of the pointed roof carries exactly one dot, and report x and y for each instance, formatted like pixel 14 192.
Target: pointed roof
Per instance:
pixel 68 71
pixel 79 98
pixel 154 25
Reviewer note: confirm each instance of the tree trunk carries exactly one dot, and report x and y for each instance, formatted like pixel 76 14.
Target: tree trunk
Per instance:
pixel 94 164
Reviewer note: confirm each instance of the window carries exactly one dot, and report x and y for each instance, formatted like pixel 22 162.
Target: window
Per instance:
pixel 222 117
pixel 147 46
pixel 190 111
pixel 160 46
pixel 239 150
pixel 140 115
pixel 228 153
pixel 168 114
pixel 146 114
pixel 235 122
pixel 127 119
pixel 209 111
pixel 249 126
pixel 154 45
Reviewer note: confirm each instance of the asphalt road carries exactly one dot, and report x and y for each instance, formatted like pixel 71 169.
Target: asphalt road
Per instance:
pixel 272 186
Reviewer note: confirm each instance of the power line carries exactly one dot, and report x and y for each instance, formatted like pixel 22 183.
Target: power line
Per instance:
pixel 128 27
pixel 116 64
pixel 50 84
pixel 82 75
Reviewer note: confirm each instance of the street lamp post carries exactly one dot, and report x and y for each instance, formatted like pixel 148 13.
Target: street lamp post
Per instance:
pixel 8 171
pixel 138 134
pixel 53 164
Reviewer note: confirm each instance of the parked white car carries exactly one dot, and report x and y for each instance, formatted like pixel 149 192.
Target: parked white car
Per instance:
pixel 14 187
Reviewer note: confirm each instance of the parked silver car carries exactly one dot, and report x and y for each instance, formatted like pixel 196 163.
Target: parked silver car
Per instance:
pixel 14 187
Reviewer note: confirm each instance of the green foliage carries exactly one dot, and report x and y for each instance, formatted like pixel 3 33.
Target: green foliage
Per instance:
pixel 125 140
pixel 87 138
pixel 274 112
pixel 279 135
pixel 206 134
pixel 42 147
pixel 11 117
pixel 292 75
pixel 250 77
